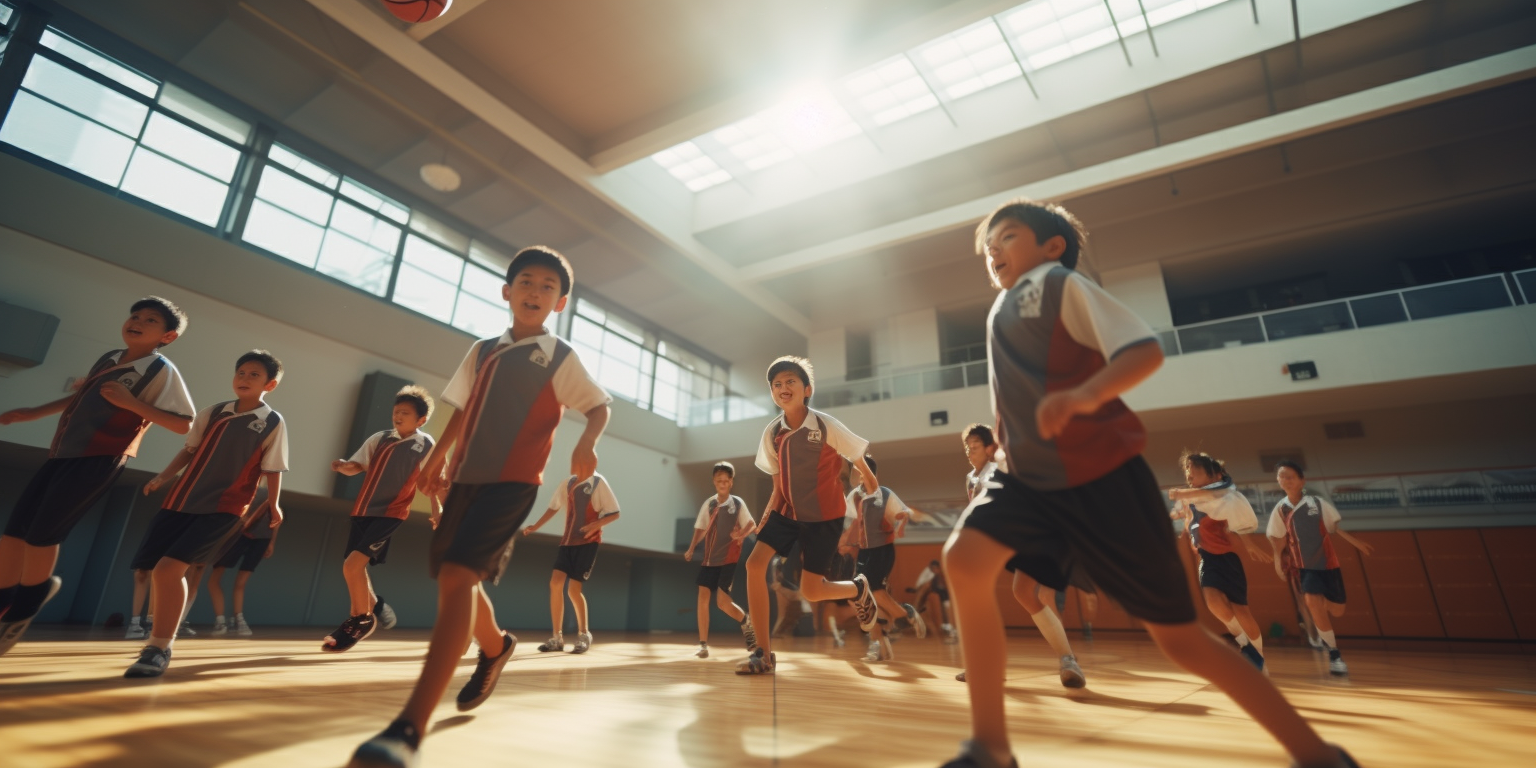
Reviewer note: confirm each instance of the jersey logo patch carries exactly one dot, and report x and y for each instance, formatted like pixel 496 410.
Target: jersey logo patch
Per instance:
pixel 813 435
pixel 539 358
pixel 417 447
pixel 1311 511
pixel 258 425
pixel 1030 299
pixel 129 379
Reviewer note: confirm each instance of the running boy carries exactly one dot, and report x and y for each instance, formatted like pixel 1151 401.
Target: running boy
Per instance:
pixel 1070 483
pixel 1298 533
pixel 99 429
pixel 878 521
pixel 392 460
pixel 1215 513
pixel 589 505
pixel 230 447
pixel 256 542
pixel 510 393
pixel 723 522
pixel 804 450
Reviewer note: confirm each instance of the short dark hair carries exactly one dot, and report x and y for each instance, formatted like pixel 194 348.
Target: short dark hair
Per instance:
pixel 724 466
pixel 418 397
pixel 1294 467
pixel 979 431
pixel 799 365
pixel 870 460
pixel 1207 463
pixel 1046 220
pixel 933 562
pixel 268 361
pixel 543 256
pixel 175 317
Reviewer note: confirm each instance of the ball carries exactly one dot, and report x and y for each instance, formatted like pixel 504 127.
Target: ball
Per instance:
pixel 417 11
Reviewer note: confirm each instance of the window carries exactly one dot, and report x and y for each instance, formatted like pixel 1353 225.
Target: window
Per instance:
pixel 890 91
pixel 688 164
pixel 1050 31
pixel 969 60
pixel 7 26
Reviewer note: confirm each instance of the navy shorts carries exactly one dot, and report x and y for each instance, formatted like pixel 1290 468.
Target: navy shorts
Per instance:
pixel 719 577
pixel 876 564
pixel 1328 583
pixel 1224 572
pixel 479 524
pixel 59 494
pixel 192 539
pixel 576 561
pixel 370 536
pixel 817 540
pixel 245 552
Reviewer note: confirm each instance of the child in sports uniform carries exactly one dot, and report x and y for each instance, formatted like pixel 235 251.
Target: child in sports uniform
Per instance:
pixel 932 582
pixel 510 393
pixel 844 565
pixel 256 542
pixel 1215 513
pixel 231 446
pixel 392 462
pixel 803 450
pixel 589 505
pixel 723 522
pixel 1070 486
pixel 99 429
pixel 878 521
pixel 1298 533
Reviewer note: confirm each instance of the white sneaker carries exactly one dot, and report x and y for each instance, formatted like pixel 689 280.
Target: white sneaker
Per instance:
pixel 1336 665
pixel 241 628
pixel 186 629
pixel 702 653
pixel 1071 673
pixel 887 651
pixel 135 631
pixel 583 642
pixel 875 651
pixel 219 627
pixel 555 643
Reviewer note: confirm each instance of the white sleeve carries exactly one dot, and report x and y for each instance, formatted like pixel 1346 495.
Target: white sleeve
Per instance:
pixel 168 392
pixel 1276 528
pixel 1330 514
pixel 924 577
pixel 603 500
pixel 1094 319
pixel 744 517
pixel 365 453
pixel 575 388
pixel 894 506
pixel 274 457
pixel 702 521
pixel 557 501
pixel 456 394
pixel 767 457
pixel 1234 508
pixel 199 426
pixel 842 439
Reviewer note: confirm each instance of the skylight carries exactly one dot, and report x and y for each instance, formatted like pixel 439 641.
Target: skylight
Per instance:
pixel 890 91
pixel 688 164
pixel 802 123
pixel 969 60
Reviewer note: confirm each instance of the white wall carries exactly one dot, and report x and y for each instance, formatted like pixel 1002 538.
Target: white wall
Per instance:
pixel 1142 289
pixel 828 351
pixel 914 339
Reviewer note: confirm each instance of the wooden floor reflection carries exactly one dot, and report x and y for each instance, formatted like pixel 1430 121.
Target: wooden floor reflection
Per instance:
pixel 643 700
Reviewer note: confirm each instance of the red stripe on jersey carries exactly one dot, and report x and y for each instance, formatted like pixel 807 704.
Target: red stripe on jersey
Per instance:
pixel 530 450
pixel 183 488
pixel 400 506
pixel 1091 445
pixel 242 492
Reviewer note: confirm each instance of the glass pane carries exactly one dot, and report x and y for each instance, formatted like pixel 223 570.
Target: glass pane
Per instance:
pixel 622 380
pixel 205 114
pixel 99 63
pixel 1365 493
pixel 85 96
pixel 67 139
pixel 435 261
pixel 353 262
pixel 1512 485
pixel 1378 310
pixel 626 329
pixel 282 189
pixel 484 285
pixel 5 14
pixel 480 317
pixel 190 146
pixel 619 349
pixel 588 309
pixel 1307 321
pixel 586 333
pixel 1456 298
pixel 175 186
pixel 419 290
pixel 439 231
pixel 1527 282
pixel 1169 341
pixel 361 225
pixel 374 201
pixel 283 233
pixel 287 158
pixel 1233 333
pixel 492 258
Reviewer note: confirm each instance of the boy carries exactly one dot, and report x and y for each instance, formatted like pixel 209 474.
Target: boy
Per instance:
pixel 143 595
pixel 510 393
pixel 844 565
pixel 932 582
pixel 100 427
pixel 230 447
pixel 392 460
pixel 1298 533
pixel 877 522
pixel 1214 512
pixel 723 522
pixel 256 542
pixel 804 451
pixel 589 505
pixel 1070 483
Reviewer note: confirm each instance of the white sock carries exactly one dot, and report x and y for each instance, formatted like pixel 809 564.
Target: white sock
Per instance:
pixel 1328 639
pixel 1237 632
pixel 134 621
pixel 1050 626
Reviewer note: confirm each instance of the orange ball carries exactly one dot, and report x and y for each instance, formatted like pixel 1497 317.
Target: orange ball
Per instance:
pixel 417 11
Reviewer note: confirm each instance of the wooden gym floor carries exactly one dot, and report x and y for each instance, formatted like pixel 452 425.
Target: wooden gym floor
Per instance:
pixel 642 700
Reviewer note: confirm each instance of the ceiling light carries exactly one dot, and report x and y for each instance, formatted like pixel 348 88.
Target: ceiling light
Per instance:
pixel 440 177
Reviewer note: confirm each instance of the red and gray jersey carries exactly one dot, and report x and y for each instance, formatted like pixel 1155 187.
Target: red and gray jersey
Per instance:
pixel 1049 333
pixel 718 520
pixel 976 479
pixel 1305 528
pixel 230 451
pixel 1214 523
pixel 512 395
pixel 260 524
pixel 91 426
pixel 875 528
pixel 807 465
pixel 583 503
pixel 391 464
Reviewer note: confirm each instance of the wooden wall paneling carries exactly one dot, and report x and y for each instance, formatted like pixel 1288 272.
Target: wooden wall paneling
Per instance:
pixel 1398 586
pixel 1512 554
pixel 1466 589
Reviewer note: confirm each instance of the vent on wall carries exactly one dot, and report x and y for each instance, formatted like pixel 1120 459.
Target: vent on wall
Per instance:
pixel 1344 430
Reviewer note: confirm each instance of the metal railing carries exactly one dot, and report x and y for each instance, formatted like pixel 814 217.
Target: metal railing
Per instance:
pixel 904 384
pixel 1417 493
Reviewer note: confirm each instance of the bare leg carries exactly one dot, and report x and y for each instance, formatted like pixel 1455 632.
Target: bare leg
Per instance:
pixel 22 563
pixel 216 591
pixel 557 601
pixel 140 593
pixel 359 586
pixel 757 594
pixel 972 561
pixel 816 588
pixel 703 614
pixel 1317 606
pixel 170 584
pixel 456 603
pixel 241 579
pixel 1089 602
pixel 729 606
pixel 194 577
pixel 487 632
pixel 579 604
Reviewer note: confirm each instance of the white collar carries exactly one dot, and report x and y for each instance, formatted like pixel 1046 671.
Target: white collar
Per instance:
pixel 809 414
pixel 141 365
pixel 1286 500
pixel 590 484
pixel 1035 275
pixel 976 473
pixel 545 340
pixel 260 411
pixel 395 433
pixel 729 500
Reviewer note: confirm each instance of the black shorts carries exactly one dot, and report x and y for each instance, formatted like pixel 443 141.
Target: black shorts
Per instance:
pixel 1114 528
pixel 719 577
pixel 818 541
pixel 1328 583
pixel 479 524
pixel 244 552
pixel 576 561
pixel 370 536
pixel 192 539
pixel 1224 572
pixel 58 496
pixel 876 565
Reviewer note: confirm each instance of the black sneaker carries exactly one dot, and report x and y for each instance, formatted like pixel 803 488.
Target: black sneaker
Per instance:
pixel 385 614
pixel 864 604
pixel 1252 654
pixel 487 672
pixel 757 664
pixel 398 746
pixel 152 662
pixel 12 630
pixel 351 632
pixel 973 756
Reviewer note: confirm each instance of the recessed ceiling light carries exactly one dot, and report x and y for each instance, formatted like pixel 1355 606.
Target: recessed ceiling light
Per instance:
pixel 440 177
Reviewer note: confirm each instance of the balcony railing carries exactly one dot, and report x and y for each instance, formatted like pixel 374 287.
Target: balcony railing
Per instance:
pixel 1424 493
pixel 905 384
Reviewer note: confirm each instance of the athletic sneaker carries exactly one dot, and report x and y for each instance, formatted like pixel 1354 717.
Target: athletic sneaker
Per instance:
pixel 583 642
pixel 864 604
pixel 1071 673
pixel 487 672
pixel 186 629
pixel 703 652
pixel 351 632
pixel 398 746
pixel 837 639
pixel 135 631
pixel 918 625
pixel 874 651
pixel 1336 665
pixel 1252 654
pixel 385 614
pixel 556 643
pixel 749 634
pixel 1088 632
pixel 219 627
pixel 12 630
pixel 887 651
pixel 961 676
pixel 972 755
pixel 1345 761
pixel 757 664
pixel 241 628
pixel 152 662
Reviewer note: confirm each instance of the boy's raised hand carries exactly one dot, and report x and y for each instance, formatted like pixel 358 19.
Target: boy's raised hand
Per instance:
pixel 584 461
pixel 1056 409
pixel 154 483
pixel 118 395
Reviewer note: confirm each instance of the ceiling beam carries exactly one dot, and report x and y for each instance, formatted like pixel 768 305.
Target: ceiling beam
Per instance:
pixel 1401 96
pixel 455 12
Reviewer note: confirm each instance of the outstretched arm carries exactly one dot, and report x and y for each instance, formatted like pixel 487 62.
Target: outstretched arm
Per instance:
pixel 179 462
pixel 17 415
